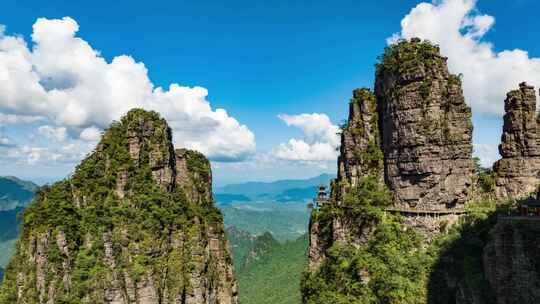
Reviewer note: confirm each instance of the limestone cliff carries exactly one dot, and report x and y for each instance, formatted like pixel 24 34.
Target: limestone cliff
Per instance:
pixel 135 223
pixel 517 174
pixel 360 158
pixel 360 153
pixel 426 128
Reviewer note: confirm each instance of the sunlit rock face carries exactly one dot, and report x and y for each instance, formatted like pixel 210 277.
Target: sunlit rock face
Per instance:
pixel 360 157
pixel 426 128
pixel 517 173
pixel 135 223
pixel 360 142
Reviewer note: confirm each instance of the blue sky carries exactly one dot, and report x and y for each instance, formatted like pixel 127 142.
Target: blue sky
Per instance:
pixel 257 61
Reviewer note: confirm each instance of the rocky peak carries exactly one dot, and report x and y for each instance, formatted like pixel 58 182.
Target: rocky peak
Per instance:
pixel 360 167
pixel 140 141
pixel 426 128
pixel 520 129
pixel 517 173
pixel 124 226
pixel 194 175
pixel 360 152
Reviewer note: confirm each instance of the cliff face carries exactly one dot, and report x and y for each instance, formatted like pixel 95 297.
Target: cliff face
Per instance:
pixel 512 261
pixel 360 142
pixel 426 128
pixel 360 158
pixel 518 172
pixel 370 245
pixel 135 223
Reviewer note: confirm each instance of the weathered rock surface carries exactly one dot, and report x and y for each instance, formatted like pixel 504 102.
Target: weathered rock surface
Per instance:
pixel 512 261
pixel 360 156
pixel 518 171
pixel 426 128
pixel 360 142
pixel 135 223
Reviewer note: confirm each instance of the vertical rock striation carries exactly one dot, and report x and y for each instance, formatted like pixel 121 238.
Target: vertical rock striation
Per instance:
pixel 360 142
pixel 360 158
pixel 135 223
pixel 425 126
pixel 518 171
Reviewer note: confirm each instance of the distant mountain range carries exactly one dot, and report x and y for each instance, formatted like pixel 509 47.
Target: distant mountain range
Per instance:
pixel 268 272
pixel 15 192
pixel 289 190
pixel 15 195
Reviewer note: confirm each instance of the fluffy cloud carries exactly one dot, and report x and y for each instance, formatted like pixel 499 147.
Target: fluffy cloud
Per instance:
pixel 458 28
pixel 11 119
pixel 44 156
pixel 90 134
pixel 57 134
pixel 63 79
pixel 320 141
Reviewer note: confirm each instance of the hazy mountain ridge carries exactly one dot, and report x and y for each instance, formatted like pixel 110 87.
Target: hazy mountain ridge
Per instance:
pixel 15 192
pixel 256 190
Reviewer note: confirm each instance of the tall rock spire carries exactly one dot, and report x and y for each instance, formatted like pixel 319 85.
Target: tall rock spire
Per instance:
pixel 360 164
pixel 518 172
pixel 425 126
pixel 360 152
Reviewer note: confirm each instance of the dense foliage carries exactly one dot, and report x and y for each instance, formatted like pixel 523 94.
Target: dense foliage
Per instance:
pixel 485 180
pixel 398 265
pixel 390 269
pixel 406 57
pixel 273 275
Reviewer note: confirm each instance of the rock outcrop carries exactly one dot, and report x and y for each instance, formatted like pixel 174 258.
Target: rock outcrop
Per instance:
pixel 426 128
pixel 135 223
pixel 517 173
pixel 360 157
pixel 360 152
pixel 512 261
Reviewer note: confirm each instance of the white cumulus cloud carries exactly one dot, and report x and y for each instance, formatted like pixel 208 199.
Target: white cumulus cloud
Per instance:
pixel 12 119
pixel 58 134
pixel 90 134
pixel 320 141
pixel 458 28
pixel 65 80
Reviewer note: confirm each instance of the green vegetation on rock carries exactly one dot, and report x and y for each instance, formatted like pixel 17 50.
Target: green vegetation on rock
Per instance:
pixel 399 266
pixel 407 57
pixel 389 269
pixel 121 214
